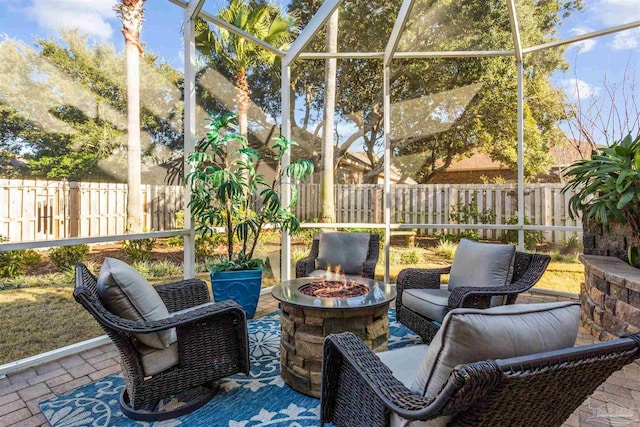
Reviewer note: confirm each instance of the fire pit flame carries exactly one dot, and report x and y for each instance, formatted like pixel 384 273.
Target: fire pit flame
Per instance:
pixel 333 284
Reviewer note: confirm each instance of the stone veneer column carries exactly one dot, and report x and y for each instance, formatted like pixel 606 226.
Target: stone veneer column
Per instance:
pixel 304 331
pixel 610 297
pixel 612 241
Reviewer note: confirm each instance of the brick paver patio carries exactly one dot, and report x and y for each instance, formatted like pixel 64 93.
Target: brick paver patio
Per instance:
pixel 21 392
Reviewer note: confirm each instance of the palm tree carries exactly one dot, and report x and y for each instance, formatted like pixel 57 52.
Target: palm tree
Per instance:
pixel 131 13
pixel 263 21
pixel 327 204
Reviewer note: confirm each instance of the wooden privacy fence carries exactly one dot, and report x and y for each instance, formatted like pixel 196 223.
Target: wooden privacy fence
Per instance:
pixel 544 204
pixel 40 210
pixel 36 210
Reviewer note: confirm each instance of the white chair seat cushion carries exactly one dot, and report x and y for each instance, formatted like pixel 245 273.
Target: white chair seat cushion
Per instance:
pixel 404 362
pixel 472 335
pixel 127 294
pixel 430 303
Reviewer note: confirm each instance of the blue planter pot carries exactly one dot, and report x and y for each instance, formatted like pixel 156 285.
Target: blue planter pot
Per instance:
pixel 241 286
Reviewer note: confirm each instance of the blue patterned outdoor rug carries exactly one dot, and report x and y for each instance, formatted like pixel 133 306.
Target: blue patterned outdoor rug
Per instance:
pixel 261 399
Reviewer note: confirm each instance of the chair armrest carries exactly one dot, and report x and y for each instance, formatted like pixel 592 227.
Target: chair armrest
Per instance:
pixel 369 268
pixel 183 294
pixel 476 297
pixel 198 315
pixel 358 389
pixel 420 278
pixel 469 296
pixel 305 266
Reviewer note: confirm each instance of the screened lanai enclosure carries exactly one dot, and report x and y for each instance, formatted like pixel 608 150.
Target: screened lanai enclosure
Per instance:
pixel 426 121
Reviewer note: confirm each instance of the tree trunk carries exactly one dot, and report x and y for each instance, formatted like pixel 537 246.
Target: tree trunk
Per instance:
pixel 242 99
pixel 131 13
pixel 327 208
pixel 134 202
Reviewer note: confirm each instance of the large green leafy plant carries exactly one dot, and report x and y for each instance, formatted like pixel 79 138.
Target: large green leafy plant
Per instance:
pixel 227 190
pixel 608 184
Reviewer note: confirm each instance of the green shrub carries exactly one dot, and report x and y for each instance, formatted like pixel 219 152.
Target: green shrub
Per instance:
pixel 531 237
pixel 15 263
pixel 165 269
pixel 446 249
pixel 573 244
pixel 410 257
pixel 11 264
pixel 306 234
pixel 563 258
pixel 298 254
pixel 138 250
pixel 177 241
pixel 158 269
pixel 207 244
pixel 469 214
pixel 206 264
pixel 65 257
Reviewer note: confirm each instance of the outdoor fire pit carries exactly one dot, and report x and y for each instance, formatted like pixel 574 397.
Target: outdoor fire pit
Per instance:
pixel 312 308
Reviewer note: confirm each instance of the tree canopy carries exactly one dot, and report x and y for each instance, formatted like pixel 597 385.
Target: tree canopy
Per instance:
pixel 441 108
pixel 63 108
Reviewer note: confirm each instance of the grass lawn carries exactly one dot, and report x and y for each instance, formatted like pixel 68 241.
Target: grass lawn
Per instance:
pixel 35 320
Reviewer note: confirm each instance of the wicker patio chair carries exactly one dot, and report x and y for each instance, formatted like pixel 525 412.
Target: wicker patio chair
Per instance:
pixel 212 344
pixel 528 268
pixel 307 265
pixel 542 389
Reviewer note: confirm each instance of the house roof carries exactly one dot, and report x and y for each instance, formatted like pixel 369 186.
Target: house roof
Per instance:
pixel 362 158
pixel 477 161
pixel 563 154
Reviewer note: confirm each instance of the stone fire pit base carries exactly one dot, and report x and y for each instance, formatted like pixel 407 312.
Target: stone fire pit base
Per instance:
pixel 610 297
pixel 303 333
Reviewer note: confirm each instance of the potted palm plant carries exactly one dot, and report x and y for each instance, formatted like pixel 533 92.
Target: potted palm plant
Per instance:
pixel 228 192
pixel 608 192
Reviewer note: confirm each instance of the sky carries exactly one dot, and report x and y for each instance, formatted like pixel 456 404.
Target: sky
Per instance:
pixel 590 60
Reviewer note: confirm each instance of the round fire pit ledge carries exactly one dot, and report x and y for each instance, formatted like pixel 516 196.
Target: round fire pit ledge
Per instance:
pixel 307 320
pixel 610 297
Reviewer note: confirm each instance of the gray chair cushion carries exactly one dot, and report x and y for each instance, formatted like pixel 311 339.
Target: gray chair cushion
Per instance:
pixel 472 335
pixel 482 264
pixel 349 250
pixel 398 421
pixel 156 360
pixel 430 303
pixel 404 362
pixel 127 294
